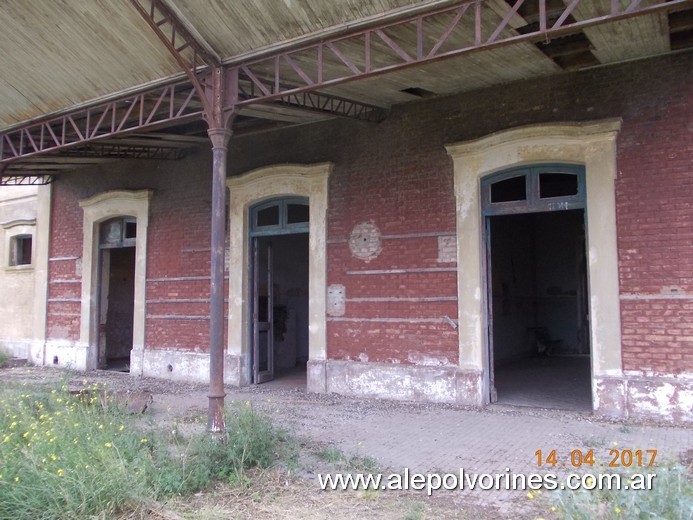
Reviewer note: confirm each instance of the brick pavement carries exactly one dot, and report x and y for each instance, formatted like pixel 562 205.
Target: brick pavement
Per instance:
pixel 441 439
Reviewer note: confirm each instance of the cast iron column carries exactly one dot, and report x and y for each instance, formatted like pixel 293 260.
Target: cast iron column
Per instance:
pixel 220 139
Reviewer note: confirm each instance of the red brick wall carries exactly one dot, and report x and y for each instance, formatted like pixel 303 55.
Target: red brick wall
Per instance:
pixel 398 175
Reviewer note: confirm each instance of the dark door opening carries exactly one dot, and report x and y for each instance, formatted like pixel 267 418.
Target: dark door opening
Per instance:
pixel 117 310
pixel 280 308
pixel 116 293
pixel 538 323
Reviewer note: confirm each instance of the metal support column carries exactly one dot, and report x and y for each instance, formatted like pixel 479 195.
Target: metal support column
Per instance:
pixel 220 139
pixel 222 93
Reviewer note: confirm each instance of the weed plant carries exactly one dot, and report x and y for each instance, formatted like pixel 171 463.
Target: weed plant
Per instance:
pixel 68 456
pixel 671 498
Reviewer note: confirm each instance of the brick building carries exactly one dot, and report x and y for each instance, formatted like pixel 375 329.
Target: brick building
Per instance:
pixel 524 239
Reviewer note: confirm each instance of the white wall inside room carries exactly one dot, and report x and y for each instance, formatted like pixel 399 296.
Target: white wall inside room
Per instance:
pixel 535 281
pixel 290 266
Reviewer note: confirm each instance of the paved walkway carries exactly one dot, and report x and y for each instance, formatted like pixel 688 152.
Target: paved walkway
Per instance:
pixel 443 439
pixel 421 437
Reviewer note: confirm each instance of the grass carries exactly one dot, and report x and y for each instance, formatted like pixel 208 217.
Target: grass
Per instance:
pixel 67 456
pixel 5 356
pixel 671 498
pixel 340 461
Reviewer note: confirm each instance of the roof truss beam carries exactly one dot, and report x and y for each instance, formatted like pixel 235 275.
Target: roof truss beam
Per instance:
pixel 147 110
pixel 475 25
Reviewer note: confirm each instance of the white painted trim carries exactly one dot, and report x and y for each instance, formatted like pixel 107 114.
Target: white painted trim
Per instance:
pixel 37 350
pixel 591 144
pixel 97 209
pixel 309 181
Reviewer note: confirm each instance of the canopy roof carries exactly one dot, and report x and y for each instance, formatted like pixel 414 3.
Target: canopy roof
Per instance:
pixel 62 55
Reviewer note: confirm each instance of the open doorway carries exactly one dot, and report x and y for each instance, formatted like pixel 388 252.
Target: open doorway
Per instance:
pixel 279 287
pixel 539 351
pixel 116 293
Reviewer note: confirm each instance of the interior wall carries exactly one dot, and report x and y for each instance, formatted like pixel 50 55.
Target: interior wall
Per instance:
pixel 513 279
pixel 534 283
pixel 290 299
pixel 559 236
pixel 121 295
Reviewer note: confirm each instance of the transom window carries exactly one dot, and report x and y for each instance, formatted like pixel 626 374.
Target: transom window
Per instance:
pixel 534 189
pixel 280 216
pixel 118 232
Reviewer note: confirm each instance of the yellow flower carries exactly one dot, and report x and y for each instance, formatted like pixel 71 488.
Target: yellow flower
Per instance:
pixel 143 441
pixel 108 445
pixel 60 472
pixel 16 479
pixel 53 457
pixel 6 438
pixel 100 426
pixel 121 428
pixel 553 508
pixel 617 510
pixel 589 481
pixel 13 425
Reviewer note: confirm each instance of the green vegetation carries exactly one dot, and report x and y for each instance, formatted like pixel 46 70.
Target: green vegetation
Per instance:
pixel 671 498
pixel 4 356
pixel 342 462
pixel 71 456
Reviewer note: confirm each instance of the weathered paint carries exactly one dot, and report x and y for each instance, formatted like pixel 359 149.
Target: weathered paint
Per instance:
pixel 591 144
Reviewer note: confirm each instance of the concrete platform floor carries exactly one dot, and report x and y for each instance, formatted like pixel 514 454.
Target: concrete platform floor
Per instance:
pixel 561 382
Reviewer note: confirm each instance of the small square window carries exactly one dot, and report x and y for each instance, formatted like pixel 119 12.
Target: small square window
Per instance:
pixel 20 250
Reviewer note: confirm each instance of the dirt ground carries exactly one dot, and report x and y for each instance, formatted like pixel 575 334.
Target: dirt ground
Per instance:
pixel 392 435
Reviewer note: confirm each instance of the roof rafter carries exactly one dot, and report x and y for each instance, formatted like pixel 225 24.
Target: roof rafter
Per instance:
pixel 323 64
pixel 282 76
pixel 191 52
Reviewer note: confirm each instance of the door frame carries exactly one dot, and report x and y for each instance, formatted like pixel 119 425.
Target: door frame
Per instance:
pixel 592 144
pixel 255 233
pixel 532 203
pixel 285 180
pixel 97 209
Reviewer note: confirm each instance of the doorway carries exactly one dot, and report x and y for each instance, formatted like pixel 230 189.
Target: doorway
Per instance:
pixel 116 293
pixel 279 291
pixel 537 301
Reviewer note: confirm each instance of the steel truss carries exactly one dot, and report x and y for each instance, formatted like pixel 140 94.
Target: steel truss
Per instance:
pixel 151 109
pixel 326 63
pixel 292 77
pixel 25 180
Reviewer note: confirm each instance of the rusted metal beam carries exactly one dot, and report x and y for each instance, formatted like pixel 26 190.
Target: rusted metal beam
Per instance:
pixel 191 53
pixel 25 180
pixel 134 113
pixel 328 105
pixel 307 68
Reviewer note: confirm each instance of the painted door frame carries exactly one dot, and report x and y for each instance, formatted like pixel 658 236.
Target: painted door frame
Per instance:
pixel 531 204
pixel 592 144
pixel 98 209
pixel 247 190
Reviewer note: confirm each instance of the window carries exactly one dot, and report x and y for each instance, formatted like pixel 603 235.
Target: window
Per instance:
pixel 537 188
pixel 20 250
pixel 278 216
pixel 118 232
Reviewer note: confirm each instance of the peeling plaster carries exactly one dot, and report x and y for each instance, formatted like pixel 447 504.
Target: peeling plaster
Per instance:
pixel 417 358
